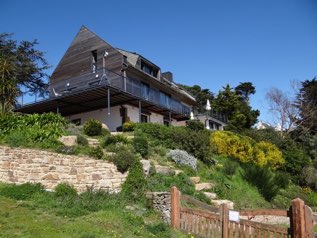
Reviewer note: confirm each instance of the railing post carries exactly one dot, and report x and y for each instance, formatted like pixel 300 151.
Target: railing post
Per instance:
pixel 224 217
pixel 298 218
pixel 309 223
pixel 175 208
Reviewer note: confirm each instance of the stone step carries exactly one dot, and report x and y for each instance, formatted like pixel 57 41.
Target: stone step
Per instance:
pixel 93 142
pixel 164 170
pixel 217 203
pixel 203 186
pixel 68 140
pixel 195 180
pixel 211 196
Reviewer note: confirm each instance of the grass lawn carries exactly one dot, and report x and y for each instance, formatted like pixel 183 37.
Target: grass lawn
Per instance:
pixel 17 220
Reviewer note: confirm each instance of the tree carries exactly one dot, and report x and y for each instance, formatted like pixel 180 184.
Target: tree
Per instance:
pixel 283 109
pixel 201 96
pixel 240 114
pixel 21 66
pixel 245 90
pixel 306 103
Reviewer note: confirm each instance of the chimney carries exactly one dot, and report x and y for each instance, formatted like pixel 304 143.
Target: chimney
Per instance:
pixel 168 75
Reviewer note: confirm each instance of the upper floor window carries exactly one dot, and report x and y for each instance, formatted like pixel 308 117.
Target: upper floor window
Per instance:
pixel 94 61
pixel 145 90
pixel 149 69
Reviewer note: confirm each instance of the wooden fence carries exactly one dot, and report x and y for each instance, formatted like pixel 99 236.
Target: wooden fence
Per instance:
pixel 206 221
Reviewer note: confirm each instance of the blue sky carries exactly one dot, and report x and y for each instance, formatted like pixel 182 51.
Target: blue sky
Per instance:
pixel 209 43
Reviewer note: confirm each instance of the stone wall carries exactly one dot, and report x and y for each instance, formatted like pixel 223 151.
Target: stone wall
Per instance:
pixel 161 202
pixel 29 165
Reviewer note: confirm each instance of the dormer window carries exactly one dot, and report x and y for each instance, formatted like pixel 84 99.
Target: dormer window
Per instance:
pixel 94 61
pixel 148 69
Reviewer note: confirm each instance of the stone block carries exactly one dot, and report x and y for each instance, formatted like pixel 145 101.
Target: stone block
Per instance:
pixel 164 170
pixel 210 195
pixel 195 180
pixel 203 186
pixel 96 176
pixel 68 140
pixel 217 203
pixel 146 166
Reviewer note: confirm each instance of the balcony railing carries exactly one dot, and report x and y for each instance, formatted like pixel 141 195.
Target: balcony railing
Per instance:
pixel 104 77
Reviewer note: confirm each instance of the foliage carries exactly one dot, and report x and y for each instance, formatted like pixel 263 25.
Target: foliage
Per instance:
pixel 96 152
pixel 195 125
pixel 63 149
pixel 246 149
pixel 245 90
pixel 128 126
pixel 195 143
pixel 141 145
pixel 92 127
pixel 81 140
pixel 230 167
pixel 183 158
pixel 21 192
pixel 21 66
pixel 268 182
pixel 123 159
pixel 135 184
pixel 114 139
pixel 65 190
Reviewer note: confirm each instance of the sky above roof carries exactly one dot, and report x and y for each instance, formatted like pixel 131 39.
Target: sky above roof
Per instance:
pixel 208 43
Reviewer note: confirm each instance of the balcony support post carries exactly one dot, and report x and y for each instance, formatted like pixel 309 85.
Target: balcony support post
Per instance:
pixel 108 107
pixel 140 110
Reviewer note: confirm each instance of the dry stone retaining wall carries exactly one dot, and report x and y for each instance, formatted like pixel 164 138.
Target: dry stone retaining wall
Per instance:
pixel 29 165
pixel 161 202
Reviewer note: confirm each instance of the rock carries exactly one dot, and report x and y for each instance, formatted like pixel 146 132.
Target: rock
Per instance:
pixel 104 126
pixel 217 203
pixel 178 171
pixel 202 186
pixel 164 170
pixel 195 180
pixel 146 166
pixel 210 195
pixel 93 142
pixel 68 140
pixel 116 133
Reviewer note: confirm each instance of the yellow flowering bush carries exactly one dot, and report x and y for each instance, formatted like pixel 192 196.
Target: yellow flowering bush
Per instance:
pixel 245 149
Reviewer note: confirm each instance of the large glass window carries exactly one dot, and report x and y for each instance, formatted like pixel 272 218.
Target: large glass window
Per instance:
pixel 165 100
pixel 149 69
pixel 145 90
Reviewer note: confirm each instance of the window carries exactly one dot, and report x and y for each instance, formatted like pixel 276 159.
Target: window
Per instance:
pixel 165 99
pixel 145 90
pixel 94 61
pixel 148 69
pixel 77 121
pixel 144 118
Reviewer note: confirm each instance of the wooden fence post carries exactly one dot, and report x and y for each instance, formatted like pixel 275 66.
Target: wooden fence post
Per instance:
pixel 224 217
pixel 298 218
pixel 175 208
pixel 309 223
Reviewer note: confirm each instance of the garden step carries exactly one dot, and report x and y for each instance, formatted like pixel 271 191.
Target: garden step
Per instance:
pixel 202 186
pixel 217 203
pixel 195 180
pixel 68 140
pixel 210 195
pixel 178 171
pixel 93 142
pixel 164 170
pixel 114 133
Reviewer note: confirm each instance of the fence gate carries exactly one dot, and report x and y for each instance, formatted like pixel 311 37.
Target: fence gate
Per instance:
pixel 206 221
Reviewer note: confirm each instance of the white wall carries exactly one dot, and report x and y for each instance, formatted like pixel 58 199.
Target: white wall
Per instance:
pixel 112 121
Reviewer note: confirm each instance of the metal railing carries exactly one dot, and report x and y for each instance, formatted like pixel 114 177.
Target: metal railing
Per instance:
pixel 105 77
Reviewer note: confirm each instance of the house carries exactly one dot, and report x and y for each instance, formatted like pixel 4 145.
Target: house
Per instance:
pixel 95 80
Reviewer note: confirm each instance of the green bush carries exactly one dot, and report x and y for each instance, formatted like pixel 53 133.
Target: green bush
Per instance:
pixel 96 152
pixel 195 125
pixel 92 127
pixel 17 139
pixel 123 159
pixel 267 182
pixel 128 126
pixel 21 192
pixel 135 184
pixel 65 190
pixel 81 140
pixel 230 167
pixel 114 139
pixel 141 145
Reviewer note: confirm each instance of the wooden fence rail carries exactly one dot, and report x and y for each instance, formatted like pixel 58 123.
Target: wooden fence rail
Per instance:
pixel 206 221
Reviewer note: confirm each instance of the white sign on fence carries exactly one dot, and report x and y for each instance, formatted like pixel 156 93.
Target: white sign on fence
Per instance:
pixel 234 216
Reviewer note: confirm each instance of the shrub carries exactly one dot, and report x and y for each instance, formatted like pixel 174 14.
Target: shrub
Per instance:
pixel 195 125
pixel 96 152
pixel 123 159
pixel 92 127
pixel 128 126
pixel 81 140
pixel 135 184
pixel 21 192
pixel 245 149
pixel 65 190
pixel 183 158
pixel 114 139
pixel 141 146
pixel 230 167
pixel 17 138
pixel 267 182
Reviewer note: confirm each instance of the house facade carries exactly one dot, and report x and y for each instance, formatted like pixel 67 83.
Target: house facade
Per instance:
pixel 95 80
